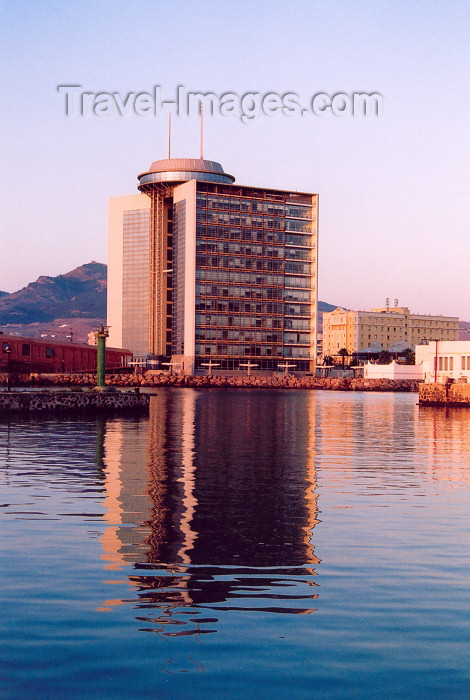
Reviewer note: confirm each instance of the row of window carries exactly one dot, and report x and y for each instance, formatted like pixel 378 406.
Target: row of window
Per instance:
pixel 242 336
pixel 239 350
pixel 241 293
pixel 241 304
pixel 419 326
pixel 221 349
pixel 210 306
pixel 26 349
pixel 256 222
pixel 298 252
pixel 237 263
pixel 238 336
pixel 252 321
pixel 446 364
pixel 221 318
pixel 251 278
pixel 234 260
pixel 250 234
pixel 259 264
pixel 297 295
pixel 253 206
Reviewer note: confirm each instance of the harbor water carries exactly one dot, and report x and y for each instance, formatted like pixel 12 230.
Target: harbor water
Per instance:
pixel 237 543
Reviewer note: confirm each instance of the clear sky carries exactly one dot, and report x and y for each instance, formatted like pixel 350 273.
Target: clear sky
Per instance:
pixel 394 202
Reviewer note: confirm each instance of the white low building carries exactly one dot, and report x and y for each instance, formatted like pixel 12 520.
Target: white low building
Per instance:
pixel 394 370
pixel 445 360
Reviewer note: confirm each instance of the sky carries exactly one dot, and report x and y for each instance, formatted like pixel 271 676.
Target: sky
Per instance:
pixel 393 189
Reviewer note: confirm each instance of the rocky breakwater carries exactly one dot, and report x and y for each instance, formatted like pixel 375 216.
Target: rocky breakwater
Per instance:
pixel 64 401
pixel 450 394
pixel 268 381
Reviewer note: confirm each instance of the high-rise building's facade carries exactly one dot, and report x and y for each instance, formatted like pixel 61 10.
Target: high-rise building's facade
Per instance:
pixel 358 330
pixel 202 270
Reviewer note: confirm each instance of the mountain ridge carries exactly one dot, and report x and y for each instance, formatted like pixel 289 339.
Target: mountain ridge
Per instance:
pixel 80 293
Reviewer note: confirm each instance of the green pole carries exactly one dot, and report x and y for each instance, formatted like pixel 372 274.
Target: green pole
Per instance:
pixel 101 335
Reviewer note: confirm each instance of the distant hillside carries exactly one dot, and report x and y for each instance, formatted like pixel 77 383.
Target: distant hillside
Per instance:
pixel 80 293
pixel 464 330
pixel 323 307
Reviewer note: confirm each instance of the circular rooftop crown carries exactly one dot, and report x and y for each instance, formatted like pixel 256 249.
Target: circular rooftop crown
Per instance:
pixel 183 169
pixel 206 166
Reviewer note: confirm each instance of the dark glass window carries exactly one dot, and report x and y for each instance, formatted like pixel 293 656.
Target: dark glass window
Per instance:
pixel 26 350
pixel 49 352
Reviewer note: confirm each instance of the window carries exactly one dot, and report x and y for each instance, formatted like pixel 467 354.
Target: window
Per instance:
pixel 49 352
pixel 26 350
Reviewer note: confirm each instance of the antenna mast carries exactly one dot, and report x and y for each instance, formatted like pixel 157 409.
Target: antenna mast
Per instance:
pixel 169 135
pixel 201 132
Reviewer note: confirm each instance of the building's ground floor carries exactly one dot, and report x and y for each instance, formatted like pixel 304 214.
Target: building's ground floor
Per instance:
pixel 202 363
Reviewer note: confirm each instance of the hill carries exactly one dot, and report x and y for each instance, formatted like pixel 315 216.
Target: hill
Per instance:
pixel 464 330
pixel 324 307
pixel 80 293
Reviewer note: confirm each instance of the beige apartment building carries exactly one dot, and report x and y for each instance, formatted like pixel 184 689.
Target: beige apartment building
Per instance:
pixel 358 330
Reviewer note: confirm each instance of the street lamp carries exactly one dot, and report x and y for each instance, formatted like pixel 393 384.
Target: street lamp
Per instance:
pixel 170 366
pixel 248 366
pixel 286 367
pixel 210 365
pixel 8 350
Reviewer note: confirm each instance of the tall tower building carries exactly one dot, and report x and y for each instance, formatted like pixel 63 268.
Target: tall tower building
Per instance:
pixel 204 270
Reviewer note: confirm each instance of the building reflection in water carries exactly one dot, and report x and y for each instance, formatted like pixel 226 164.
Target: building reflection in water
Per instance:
pixel 212 500
pixel 365 442
pixel 444 434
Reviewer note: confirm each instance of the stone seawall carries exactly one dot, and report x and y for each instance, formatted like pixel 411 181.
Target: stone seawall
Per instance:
pixel 59 401
pixel 153 379
pixel 444 394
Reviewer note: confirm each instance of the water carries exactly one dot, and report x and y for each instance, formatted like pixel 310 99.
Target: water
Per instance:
pixel 238 543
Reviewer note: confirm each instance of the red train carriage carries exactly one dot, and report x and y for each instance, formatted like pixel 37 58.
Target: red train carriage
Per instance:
pixel 43 356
